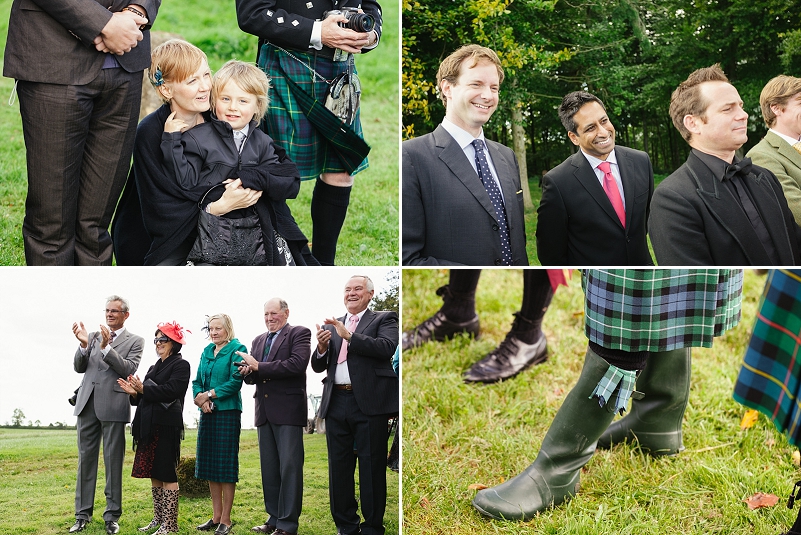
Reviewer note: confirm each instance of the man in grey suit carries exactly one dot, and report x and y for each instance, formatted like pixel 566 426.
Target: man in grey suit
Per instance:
pixel 462 200
pixel 277 366
pixel 594 206
pixel 103 409
pixel 780 150
pixel 78 66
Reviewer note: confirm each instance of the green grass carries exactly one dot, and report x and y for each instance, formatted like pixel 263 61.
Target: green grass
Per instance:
pixel 370 233
pixel 37 487
pixel 456 434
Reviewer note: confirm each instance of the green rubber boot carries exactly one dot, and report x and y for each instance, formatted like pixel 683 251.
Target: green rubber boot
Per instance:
pixel 655 420
pixel 568 445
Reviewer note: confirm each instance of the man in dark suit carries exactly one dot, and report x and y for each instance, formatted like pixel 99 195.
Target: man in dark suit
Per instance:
pixel 277 366
pixel 360 393
pixel 716 210
pixel 594 206
pixel 103 409
pixel 78 65
pixel 462 200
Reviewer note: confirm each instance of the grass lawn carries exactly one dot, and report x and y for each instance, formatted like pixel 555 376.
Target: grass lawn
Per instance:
pixel 455 435
pixel 370 233
pixel 37 487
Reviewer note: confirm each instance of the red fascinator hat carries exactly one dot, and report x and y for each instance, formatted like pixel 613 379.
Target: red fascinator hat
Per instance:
pixel 173 331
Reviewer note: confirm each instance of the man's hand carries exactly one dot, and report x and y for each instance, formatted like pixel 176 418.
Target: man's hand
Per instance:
pixel 252 364
pixel 342 331
pixel 121 33
pixel 323 338
pixel 234 198
pixel 80 333
pixel 334 36
pixel 105 336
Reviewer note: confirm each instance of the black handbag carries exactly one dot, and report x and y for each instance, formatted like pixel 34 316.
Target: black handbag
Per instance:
pixel 223 241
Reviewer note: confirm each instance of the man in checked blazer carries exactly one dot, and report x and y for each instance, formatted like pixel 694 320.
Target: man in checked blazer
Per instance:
pixel 78 66
pixel 360 394
pixel 448 215
pixel 103 409
pixel 277 366
pixel 780 101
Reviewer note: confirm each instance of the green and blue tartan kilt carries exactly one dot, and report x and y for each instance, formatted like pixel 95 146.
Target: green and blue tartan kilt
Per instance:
pixel 660 309
pixel 217 456
pixel 286 123
pixel 769 377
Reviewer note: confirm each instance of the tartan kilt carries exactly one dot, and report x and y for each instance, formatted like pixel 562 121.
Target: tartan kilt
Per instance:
pixel 286 123
pixel 771 369
pixel 660 309
pixel 217 457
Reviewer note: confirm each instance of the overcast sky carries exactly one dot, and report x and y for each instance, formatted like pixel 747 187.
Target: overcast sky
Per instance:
pixel 39 306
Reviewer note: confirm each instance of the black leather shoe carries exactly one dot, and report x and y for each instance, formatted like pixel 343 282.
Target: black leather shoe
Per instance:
pixel 208 525
pixel 222 529
pixel 439 328
pixel 112 528
pixel 264 528
pixel 507 360
pixel 79 525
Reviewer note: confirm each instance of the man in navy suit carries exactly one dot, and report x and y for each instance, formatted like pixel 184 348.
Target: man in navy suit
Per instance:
pixel 360 394
pixel 455 210
pixel 277 366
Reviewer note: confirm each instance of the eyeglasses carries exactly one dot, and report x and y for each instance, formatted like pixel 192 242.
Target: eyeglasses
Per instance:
pixel 115 311
pixel 161 339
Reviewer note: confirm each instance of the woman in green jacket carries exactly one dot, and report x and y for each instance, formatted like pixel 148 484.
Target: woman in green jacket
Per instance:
pixel 217 393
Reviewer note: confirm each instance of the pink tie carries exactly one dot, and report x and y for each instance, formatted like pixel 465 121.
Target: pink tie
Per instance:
pixel 610 187
pixel 343 351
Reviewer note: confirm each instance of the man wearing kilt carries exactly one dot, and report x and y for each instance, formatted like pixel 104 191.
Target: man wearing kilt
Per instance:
pixel 296 40
pixel 770 376
pixel 640 325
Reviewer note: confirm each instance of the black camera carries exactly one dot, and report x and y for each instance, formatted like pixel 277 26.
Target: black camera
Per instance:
pixel 358 22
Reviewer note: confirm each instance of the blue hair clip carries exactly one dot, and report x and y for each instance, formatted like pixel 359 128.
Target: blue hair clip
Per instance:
pixel 158 77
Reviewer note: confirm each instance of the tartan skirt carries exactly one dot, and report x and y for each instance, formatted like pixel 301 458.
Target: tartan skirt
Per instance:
pixel 660 309
pixel 771 369
pixel 286 123
pixel 217 457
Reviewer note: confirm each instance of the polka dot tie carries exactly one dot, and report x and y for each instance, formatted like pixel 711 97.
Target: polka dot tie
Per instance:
pixel 610 187
pixel 482 165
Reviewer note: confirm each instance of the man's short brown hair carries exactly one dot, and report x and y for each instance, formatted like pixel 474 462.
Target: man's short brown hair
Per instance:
pixel 777 92
pixel 450 66
pixel 687 98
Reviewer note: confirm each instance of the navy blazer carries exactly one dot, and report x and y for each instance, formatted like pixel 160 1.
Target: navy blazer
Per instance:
pixel 370 351
pixel 696 221
pixel 281 381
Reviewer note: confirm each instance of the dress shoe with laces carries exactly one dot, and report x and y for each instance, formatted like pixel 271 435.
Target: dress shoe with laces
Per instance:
pixel 511 357
pixel 439 328
pixel 264 528
pixel 209 525
pixel 112 528
pixel 79 525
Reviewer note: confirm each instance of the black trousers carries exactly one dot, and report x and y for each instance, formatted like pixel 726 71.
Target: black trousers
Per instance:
pixel 79 141
pixel 346 427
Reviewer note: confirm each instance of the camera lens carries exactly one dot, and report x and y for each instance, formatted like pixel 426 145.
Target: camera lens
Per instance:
pixel 361 22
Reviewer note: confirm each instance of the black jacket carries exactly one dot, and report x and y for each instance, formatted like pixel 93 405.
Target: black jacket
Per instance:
pixel 161 403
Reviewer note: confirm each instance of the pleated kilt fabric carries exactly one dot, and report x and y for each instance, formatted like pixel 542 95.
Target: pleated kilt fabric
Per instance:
pixel 660 309
pixel 217 457
pixel 287 124
pixel 769 376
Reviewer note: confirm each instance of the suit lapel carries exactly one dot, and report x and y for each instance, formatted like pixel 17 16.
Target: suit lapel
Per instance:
pixel 506 176
pixel 768 206
pixel 585 175
pixel 784 148
pixel 726 209
pixel 278 341
pixel 628 175
pixel 453 156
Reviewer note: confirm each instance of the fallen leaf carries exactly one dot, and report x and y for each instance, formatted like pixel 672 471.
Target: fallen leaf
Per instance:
pixel 477 486
pixel 749 419
pixel 770 442
pixel 797 458
pixel 424 503
pixel 761 499
pixel 558 392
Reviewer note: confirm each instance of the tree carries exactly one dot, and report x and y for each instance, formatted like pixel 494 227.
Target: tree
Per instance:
pixel 389 298
pixel 17 418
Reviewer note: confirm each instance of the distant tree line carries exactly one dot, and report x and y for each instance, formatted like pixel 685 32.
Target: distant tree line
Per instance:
pixel 630 53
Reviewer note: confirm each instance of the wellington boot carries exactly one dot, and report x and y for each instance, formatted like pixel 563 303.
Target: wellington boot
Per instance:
pixel 169 512
pixel 655 420
pixel 156 522
pixel 566 448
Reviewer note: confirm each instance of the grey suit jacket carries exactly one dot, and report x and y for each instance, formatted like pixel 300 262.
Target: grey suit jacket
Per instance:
pixel 50 41
pixel 448 217
pixel 101 374
pixel 777 156
pixel 576 224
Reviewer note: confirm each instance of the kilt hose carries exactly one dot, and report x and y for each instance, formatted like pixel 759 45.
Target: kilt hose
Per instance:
pixel 769 376
pixel 286 123
pixel 660 309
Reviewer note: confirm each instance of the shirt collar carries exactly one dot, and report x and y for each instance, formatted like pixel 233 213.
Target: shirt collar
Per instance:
pixel 244 130
pixel 715 164
pixel 462 136
pixel 595 162
pixel 788 139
